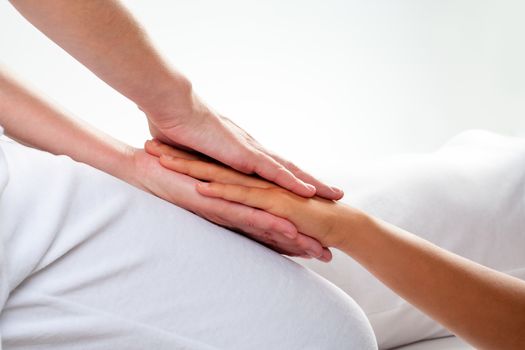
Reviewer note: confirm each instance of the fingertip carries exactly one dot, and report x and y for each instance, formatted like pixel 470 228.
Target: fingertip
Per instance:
pixel 311 188
pixel 332 193
pixel 284 227
pixel 150 147
pixel 314 252
pixel 153 142
pixel 338 193
pixel 326 255
pixel 304 189
pixel 167 161
pixel 203 186
pixel 207 189
pixel 290 233
pixel 166 157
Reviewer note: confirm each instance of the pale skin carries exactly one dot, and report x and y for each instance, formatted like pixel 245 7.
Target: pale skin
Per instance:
pixel 105 37
pixel 31 120
pixel 481 305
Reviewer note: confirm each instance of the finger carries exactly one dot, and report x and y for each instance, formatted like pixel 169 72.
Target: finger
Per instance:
pixel 281 244
pixel 311 246
pixel 211 172
pixel 235 215
pixel 262 220
pixel 157 148
pixel 253 197
pixel 270 169
pixel 326 256
pixel 261 199
pixel 265 200
pixel 276 242
pixel 275 232
pixel 322 190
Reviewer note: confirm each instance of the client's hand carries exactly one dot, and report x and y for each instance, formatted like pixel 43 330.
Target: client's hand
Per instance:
pixel 316 217
pixel 179 188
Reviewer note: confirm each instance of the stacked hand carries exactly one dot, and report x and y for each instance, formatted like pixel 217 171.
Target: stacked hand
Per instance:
pixel 106 38
pixel 193 125
pixel 179 187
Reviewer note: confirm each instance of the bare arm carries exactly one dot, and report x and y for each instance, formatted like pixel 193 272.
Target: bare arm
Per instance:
pixel 106 38
pixel 31 120
pixel 481 305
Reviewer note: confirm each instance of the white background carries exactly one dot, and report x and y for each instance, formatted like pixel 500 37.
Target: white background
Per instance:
pixel 324 83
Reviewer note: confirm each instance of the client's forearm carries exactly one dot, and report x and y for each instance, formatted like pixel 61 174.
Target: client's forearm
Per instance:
pixel 33 121
pixel 483 306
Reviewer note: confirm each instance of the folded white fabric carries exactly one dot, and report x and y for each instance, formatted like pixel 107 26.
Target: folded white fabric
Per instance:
pixel 468 197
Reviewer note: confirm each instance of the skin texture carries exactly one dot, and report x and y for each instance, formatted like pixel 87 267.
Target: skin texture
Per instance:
pixel 59 133
pixel 104 36
pixel 481 305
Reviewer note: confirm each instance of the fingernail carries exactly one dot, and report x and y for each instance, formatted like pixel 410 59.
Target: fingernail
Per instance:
pixel 311 187
pixel 336 190
pixel 312 253
pixel 326 256
pixel 290 234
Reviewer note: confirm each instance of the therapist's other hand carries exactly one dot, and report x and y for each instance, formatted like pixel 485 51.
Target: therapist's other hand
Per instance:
pixel 197 127
pixel 179 188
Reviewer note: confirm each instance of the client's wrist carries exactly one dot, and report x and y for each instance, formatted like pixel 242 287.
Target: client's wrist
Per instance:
pixel 121 164
pixel 353 224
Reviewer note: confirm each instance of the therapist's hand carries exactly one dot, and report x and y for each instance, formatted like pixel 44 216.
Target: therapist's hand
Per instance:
pixel 108 40
pixel 194 125
pixel 272 231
